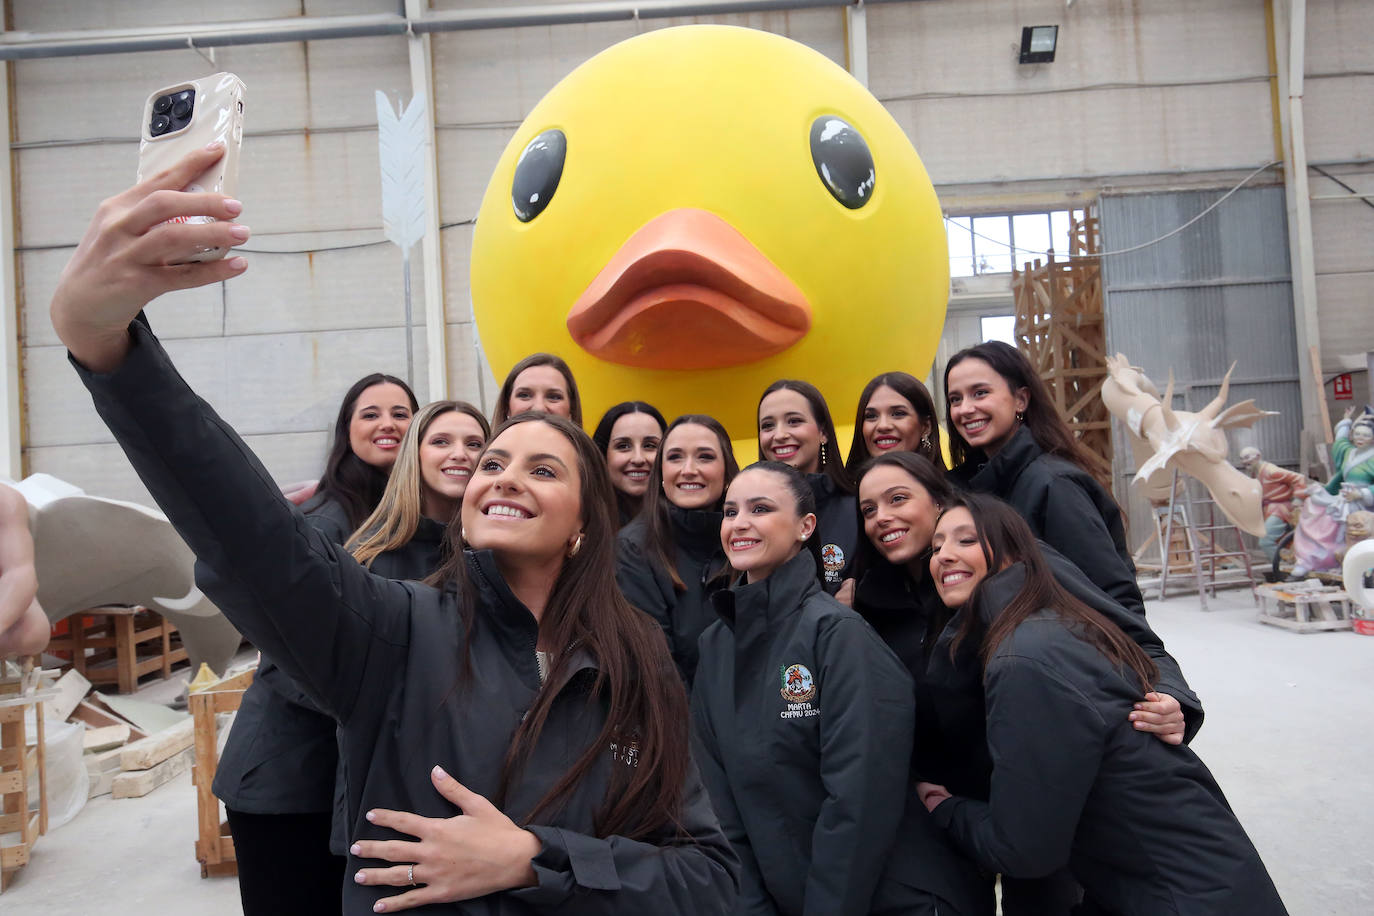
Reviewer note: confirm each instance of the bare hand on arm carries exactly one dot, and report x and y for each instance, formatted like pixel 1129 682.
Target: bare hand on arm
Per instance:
pixel 1161 715
pixel 130 255
pixel 478 852
pixel 931 795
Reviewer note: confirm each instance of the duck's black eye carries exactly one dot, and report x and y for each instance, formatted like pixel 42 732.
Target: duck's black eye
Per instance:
pixel 843 161
pixel 537 173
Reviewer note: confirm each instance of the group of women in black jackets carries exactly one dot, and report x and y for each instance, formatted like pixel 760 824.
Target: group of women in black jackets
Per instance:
pixel 903 680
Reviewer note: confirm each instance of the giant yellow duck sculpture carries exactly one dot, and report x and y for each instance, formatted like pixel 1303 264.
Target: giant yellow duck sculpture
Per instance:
pixel 697 211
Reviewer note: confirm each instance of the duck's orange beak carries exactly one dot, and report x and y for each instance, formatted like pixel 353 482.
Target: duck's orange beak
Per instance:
pixel 688 291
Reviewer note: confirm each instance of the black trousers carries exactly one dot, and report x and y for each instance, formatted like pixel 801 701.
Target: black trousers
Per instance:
pixel 285 865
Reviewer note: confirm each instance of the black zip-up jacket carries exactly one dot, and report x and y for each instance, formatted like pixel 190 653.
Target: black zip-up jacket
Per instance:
pixel 649 587
pixel 1142 825
pixel 385 658
pixel 416 559
pixel 802 722
pixel 951 702
pixel 282 755
pixel 837 526
pixel 1066 508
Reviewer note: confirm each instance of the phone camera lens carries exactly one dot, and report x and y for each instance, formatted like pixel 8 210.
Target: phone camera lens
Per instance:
pixel 181 109
pixel 160 125
pixel 162 104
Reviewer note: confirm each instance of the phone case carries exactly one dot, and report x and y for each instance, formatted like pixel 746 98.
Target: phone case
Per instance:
pixel 216 114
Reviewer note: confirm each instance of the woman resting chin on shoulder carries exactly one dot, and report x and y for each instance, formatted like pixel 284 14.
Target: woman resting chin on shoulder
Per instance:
pixel 517 729
pixel 1142 825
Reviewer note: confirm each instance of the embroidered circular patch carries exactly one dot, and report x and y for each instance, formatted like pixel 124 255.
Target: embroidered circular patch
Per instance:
pixel 797 685
pixel 832 557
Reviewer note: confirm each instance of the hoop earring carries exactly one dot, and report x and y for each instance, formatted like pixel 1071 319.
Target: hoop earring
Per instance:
pixel 577 545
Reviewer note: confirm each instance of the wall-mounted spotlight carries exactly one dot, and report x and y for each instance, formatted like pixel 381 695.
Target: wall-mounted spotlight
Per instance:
pixel 1037 43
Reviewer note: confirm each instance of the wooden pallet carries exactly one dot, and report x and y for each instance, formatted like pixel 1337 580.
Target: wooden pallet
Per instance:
pixel 20 765
pixel 1303 610
pixel 105 645
pixel 214 845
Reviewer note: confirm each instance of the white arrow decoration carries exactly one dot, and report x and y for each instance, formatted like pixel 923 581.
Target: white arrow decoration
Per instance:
pixel 402 150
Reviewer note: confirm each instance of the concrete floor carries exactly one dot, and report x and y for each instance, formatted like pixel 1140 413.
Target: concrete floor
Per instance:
pixel 1288 734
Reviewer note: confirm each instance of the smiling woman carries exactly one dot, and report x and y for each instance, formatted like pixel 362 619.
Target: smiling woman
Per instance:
pixel 460 705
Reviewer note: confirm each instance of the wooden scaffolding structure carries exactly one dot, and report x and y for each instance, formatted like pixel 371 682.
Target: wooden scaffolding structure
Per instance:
pixel 1061 328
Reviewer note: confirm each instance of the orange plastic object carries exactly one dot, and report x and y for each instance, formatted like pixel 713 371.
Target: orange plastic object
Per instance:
pixel 687 291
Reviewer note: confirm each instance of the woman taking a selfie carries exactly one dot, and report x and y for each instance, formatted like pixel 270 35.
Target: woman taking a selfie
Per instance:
pixel 629 435
pixel 1142 825
pixel 518 731
pixel 276 775
pixel 795 428
pixel 668 557
pixel 801 717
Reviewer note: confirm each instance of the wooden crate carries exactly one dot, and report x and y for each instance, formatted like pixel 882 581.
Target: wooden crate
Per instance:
pixel 20 765
pixel 124 644
pixel 214 845
pixel 1304 610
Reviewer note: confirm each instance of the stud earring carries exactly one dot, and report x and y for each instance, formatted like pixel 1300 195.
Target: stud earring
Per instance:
pixel 577 545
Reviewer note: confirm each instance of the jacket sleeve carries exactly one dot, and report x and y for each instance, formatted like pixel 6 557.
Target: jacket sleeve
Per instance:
pixel 1047 742
pixel 868 713
pixel 681 874
pixel 1171 679
pixel 636 577
pixel 754 899
pixel 1072 522
pixel 333 628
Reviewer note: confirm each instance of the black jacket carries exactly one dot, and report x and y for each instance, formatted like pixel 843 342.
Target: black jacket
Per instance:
pixel 802 720
pixel 282 755
pixel 649 587
pixel 416 559
pixel 1066 508
pixel 837 526
pixel 951 703
pixel 1142 825
pixel 385 658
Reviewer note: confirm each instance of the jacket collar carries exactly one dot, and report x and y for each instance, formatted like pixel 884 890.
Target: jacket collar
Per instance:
pixel 429 531
pixel 1002 469
pixel 696 529
pixel 822 486
pixel 775 598
pixel 997 591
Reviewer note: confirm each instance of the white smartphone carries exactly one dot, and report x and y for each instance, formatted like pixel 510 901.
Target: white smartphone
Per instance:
pixel 187 116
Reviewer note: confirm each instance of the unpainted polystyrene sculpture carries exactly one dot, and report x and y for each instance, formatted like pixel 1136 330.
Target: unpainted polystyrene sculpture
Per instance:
pixel 90 552
pixel 1194 443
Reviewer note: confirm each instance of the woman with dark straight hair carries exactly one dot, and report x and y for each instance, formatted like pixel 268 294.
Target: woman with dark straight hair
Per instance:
pixel 802 719
pixel 668 558
pixel 900 497
pixel 896 413
pixel 629 436
pixel 795 428
pixel 1007 439
pixel 276 775
pixel 367 438
pixel 518 732
pixel 540 382
pixel 1141 824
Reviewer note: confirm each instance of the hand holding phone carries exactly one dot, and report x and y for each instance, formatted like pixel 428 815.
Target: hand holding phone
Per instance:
pixel 188 116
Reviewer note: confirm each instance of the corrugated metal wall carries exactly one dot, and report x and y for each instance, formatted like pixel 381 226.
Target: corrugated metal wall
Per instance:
pixel 1216 293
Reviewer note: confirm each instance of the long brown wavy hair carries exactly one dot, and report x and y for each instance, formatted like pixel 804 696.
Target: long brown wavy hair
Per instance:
pixel 917 395
pixel 636 679
pixel 658 540
pixel 1005 539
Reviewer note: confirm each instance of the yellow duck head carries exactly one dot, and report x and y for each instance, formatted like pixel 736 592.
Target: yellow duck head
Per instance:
pixel 698 211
